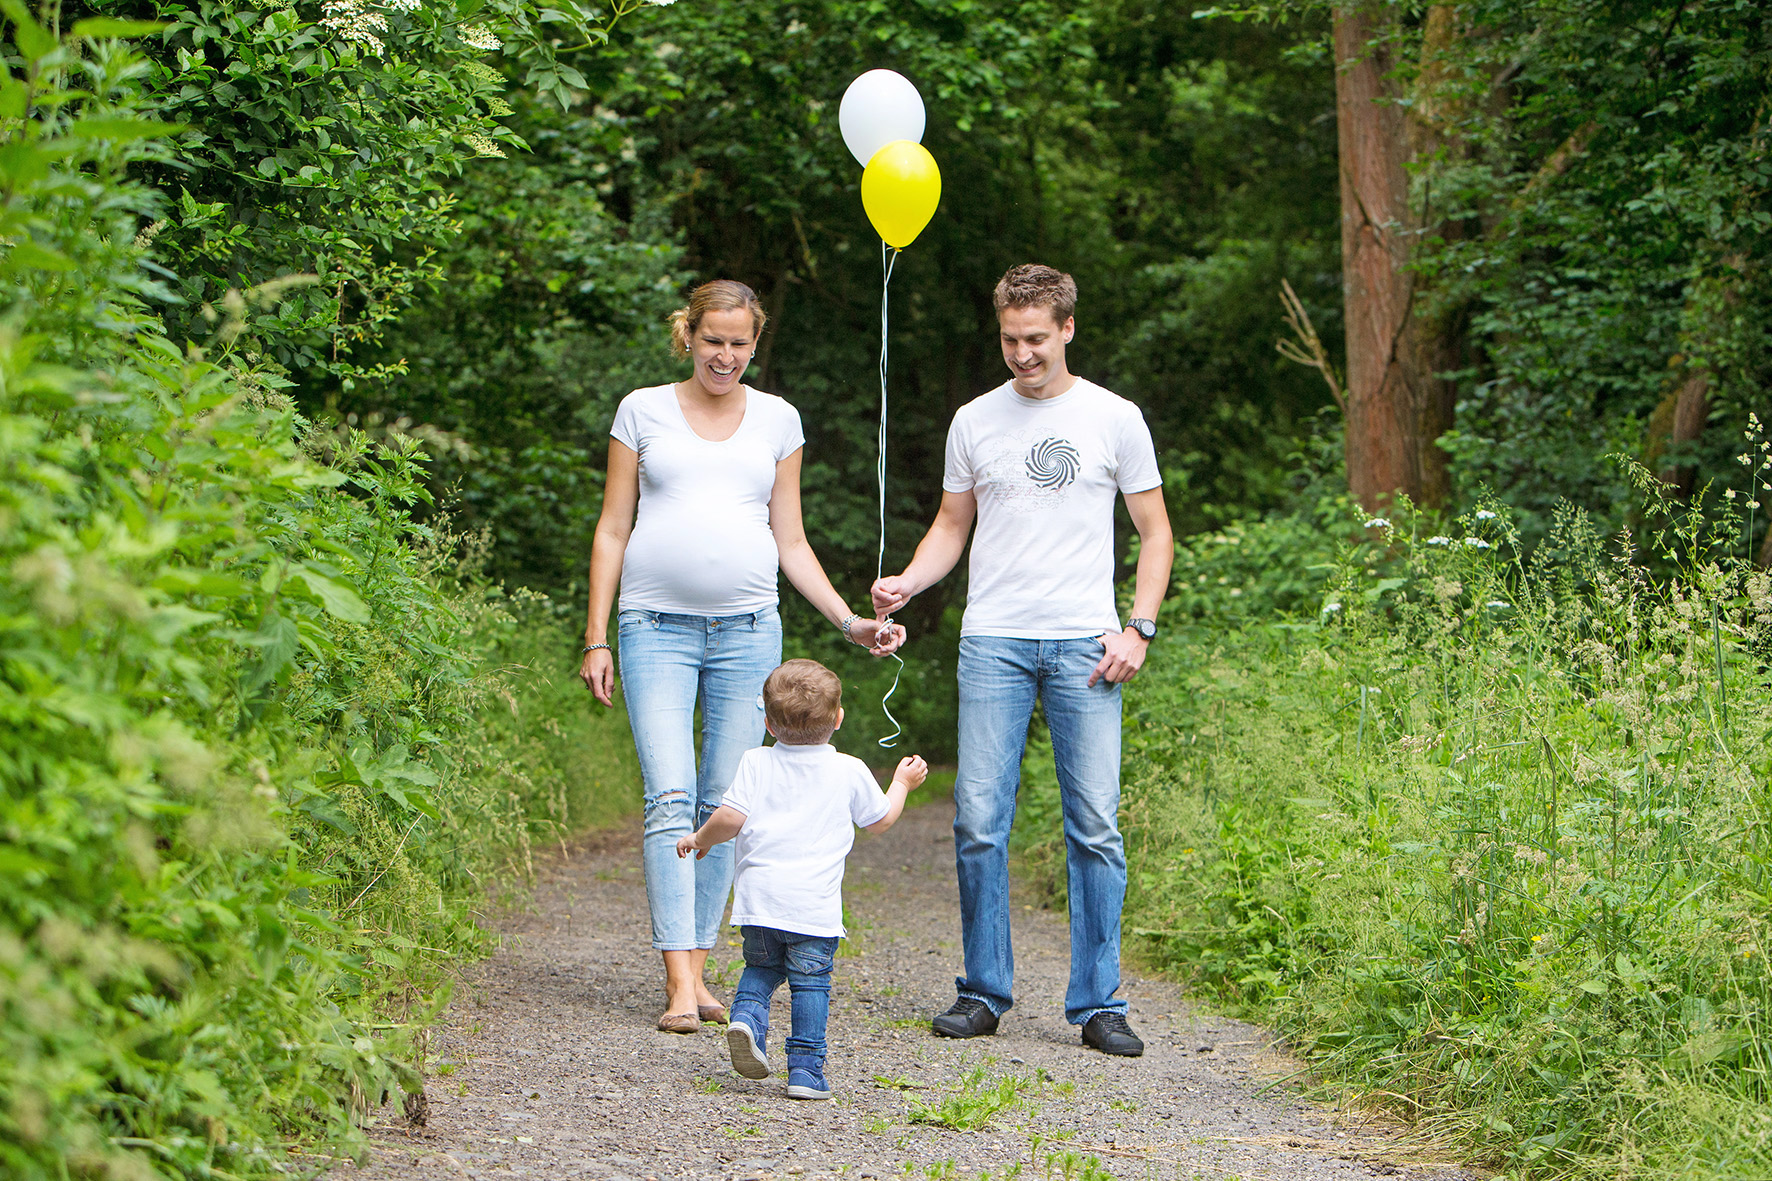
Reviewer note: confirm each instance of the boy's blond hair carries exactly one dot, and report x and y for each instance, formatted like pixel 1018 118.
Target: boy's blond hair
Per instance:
pixel 801 700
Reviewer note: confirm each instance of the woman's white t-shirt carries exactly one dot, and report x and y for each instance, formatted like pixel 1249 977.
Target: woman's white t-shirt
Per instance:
pixel 701 543
pixel 1045 473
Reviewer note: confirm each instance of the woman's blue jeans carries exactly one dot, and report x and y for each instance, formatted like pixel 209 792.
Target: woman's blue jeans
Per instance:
pixel 668 663
pixel 999 682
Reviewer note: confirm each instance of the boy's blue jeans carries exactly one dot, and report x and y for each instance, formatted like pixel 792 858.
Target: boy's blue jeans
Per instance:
pixel 1000 679
pixel 804 961
pixel 669 663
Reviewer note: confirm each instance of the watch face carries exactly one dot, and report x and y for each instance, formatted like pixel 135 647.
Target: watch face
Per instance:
pixel 1144 627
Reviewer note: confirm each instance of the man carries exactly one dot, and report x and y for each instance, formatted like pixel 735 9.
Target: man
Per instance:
pixel 1037 461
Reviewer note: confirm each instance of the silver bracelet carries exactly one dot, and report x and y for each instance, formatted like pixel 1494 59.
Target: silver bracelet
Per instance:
pixel 594 647
pixel 847 624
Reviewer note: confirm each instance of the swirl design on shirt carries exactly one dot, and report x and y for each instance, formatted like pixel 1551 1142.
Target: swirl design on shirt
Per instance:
pixel 1053 464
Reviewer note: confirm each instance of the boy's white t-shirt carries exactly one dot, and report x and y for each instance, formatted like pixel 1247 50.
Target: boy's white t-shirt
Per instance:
pixel 1045 472
pixel 701 543
pixel 802 805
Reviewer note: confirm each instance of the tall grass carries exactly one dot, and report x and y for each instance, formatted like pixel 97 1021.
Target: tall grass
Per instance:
pixel 1486 837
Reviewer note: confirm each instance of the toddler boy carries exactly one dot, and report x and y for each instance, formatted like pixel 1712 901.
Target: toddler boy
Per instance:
pixel 794 808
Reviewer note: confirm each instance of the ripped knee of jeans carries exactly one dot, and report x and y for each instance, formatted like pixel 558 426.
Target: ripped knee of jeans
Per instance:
pixel 669 809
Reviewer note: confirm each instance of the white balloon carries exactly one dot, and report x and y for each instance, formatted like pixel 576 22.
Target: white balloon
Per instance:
pixel 879 107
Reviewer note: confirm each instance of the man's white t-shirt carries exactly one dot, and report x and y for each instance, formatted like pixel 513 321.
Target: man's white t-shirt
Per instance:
pixel 701 543
pixel 802 805
pixel 1045 472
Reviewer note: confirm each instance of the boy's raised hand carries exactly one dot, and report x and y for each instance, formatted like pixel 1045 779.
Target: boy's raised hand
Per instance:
pixel 912 771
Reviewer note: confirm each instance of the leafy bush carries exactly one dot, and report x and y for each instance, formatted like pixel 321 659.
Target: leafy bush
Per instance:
pixel 246 801
pixel 1485 837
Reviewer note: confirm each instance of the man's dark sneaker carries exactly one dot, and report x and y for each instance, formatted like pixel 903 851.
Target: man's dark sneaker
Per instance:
pixel 969 1017
pixel 1108 1032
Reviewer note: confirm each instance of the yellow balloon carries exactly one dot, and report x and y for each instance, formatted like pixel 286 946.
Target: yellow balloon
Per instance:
pixel 900 189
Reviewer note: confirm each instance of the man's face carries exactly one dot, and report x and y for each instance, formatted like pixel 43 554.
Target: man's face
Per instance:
pixel 1033 348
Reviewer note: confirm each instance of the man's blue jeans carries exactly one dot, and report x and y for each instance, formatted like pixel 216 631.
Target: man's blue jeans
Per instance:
pixel 804 961
pixel 667 663
pixel 999 682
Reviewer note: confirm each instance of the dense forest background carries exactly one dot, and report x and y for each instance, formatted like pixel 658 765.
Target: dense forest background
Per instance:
pixel 1450 322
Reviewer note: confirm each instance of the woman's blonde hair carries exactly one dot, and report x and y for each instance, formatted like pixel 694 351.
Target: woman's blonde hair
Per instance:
pixel 721 295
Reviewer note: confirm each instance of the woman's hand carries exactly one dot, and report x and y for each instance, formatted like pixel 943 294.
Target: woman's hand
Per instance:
pixel 598 674
pixel 879 637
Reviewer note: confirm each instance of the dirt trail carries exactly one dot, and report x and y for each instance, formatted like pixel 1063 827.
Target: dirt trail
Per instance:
pixel 548 1064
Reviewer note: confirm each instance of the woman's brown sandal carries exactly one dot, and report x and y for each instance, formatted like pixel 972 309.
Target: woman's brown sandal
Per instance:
pixel 679 1023
pixel 712 1014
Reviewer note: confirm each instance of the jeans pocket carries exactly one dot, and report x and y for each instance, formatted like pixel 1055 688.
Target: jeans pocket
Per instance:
pixel 631 618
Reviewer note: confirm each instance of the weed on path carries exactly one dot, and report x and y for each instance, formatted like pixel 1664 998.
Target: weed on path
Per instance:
pixel 549 1066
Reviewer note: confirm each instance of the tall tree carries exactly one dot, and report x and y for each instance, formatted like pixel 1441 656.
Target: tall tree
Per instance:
pixel 1398 402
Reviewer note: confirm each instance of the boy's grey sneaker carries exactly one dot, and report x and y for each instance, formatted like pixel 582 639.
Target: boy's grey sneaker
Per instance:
pixel 1108 1032
pixel 967 1017
pixel 747 1055
pixel 806 1079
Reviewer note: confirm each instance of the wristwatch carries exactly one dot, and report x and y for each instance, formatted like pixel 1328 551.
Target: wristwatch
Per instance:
pixel 1146 628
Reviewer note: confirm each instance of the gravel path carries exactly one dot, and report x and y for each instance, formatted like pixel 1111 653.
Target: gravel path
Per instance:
pixel 548 1065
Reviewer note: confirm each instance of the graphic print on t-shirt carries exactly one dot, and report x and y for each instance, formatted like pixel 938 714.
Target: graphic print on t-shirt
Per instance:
pixel 1029 471
pixel 1053 464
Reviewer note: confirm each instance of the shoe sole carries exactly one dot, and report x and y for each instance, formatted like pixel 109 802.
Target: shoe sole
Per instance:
pixel 747 1058
pixel 807 1093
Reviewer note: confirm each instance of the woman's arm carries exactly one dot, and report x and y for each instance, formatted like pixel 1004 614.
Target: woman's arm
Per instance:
pixel 621 496
pixel 801 565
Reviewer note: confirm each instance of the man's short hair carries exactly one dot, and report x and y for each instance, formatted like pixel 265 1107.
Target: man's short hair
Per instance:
pixel 1031 285
pixel 801 700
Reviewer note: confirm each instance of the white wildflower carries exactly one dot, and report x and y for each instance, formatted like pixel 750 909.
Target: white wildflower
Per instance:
pixel 480 37
pixel 1378 523
pixel 482 145
pixel 353 21
pixel 1498 604
pixel 1235 591
pixel 661 3
pixel 1728 494
pixel 1476 543
pixel 1439 541
pixel 1331 608
pixel 402 5
pixel 1485 515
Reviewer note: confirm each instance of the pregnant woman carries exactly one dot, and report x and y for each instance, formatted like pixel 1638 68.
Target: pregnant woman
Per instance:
pixel 700 510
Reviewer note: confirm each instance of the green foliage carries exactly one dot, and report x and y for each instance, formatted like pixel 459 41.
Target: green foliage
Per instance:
pixel 1488 834
pixel 1609 222
pixel 246 805
pixel 973 1104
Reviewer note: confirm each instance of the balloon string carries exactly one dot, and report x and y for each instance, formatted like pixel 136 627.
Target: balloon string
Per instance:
pixel 888 257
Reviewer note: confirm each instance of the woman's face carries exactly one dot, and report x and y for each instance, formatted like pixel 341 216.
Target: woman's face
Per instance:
pixel 722 346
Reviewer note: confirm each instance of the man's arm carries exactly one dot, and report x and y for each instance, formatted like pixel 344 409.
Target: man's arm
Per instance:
pixel 936 554
pixel 1156 553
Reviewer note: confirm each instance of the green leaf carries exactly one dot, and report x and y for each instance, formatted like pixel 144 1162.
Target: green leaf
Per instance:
pixel 26 253
pixel 277 641
pixel 32 39
pixel 104 26
pixel 1593 987
pixel 339 600
pixel 122 130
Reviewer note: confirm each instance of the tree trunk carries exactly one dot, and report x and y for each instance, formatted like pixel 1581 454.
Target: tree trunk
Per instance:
pixel 1691 407
pixel 1397 407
